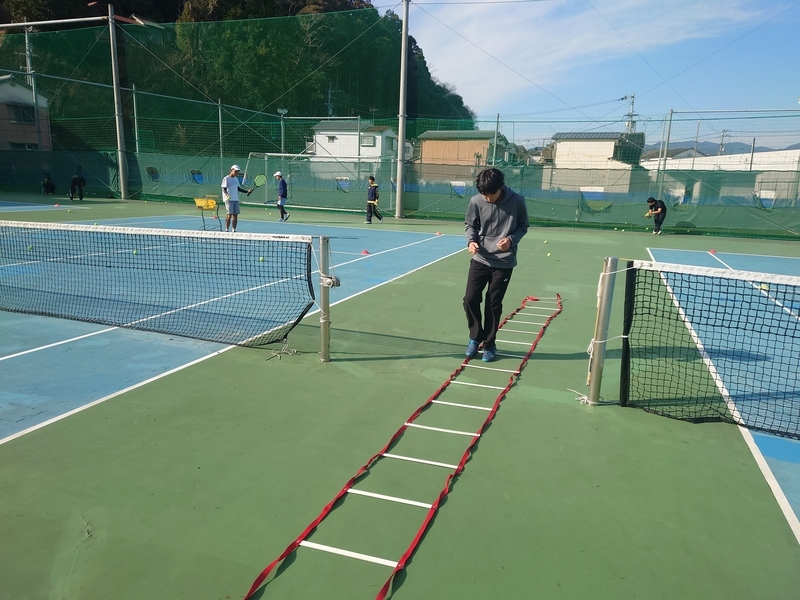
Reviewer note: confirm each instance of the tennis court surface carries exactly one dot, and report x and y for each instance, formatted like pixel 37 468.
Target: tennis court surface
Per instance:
pixel 199 462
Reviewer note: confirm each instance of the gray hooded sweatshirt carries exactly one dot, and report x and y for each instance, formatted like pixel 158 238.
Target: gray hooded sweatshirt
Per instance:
pixel 487 223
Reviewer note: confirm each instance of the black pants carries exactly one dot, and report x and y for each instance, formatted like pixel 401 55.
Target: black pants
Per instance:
pixel 283 211
pixel 484 328
pixel 657 221
pixel 372 209
pixel 75 189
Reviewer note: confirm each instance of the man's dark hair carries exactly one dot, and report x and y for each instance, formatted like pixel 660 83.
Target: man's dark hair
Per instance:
pixel 651 200
pixel 371 178
pixel 490 181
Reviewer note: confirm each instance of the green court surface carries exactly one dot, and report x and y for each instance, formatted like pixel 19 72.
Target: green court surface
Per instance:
pixel 189 486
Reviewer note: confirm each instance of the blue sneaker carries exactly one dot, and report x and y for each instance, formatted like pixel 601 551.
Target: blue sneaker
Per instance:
pixel 472 347
pixel 489 354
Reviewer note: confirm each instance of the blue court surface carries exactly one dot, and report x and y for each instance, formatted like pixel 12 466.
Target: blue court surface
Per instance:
pixel 51 367
pixel 781 455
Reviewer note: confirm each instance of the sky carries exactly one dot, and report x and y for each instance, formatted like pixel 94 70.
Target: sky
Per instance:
pixel 575 59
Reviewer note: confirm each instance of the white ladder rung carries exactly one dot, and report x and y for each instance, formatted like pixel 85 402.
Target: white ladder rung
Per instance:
pixel 471 366
pixel 510 342
pixel 440 430
pixel 419 460
pixel 506 330
pixel 523 323
pixel 389 498
pixel 511 355
pixel 358 555
pixel 491 387
pixel 460 405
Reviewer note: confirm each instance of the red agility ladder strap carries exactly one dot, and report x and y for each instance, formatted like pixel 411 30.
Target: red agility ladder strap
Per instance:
pixel 434 507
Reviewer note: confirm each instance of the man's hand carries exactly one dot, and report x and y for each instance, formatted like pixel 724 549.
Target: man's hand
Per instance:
pixel 473 247
pixel 504 244
pixel 250 191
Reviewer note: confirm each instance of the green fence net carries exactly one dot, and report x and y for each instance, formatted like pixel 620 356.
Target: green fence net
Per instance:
pixel 198 97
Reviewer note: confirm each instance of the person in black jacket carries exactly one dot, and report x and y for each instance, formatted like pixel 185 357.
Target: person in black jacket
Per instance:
pixel 372 201
pixel 658 210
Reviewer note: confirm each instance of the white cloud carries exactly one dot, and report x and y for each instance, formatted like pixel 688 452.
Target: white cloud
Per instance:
pixel 491 51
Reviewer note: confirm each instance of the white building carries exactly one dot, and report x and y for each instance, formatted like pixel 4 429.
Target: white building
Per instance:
pixel 596 150
pixel 352 139
pixel 24 120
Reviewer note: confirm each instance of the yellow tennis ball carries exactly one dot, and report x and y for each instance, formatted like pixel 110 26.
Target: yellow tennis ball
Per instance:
pixel 548 254
pixel 763 286
pixel 136 252
pixel 545 241
pixel 95 224
pixel 260 259
pixel 30 247
pixel 69 211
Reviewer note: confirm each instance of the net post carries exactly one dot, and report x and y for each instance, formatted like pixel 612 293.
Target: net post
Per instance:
pixel 627 321
pixel 605 293
pixel 326 282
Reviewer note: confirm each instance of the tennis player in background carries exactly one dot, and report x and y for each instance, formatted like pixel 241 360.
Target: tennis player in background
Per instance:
pixel 372 201
pixel 283 195
pixel 496 221
pixel 230 195
pixel 658 210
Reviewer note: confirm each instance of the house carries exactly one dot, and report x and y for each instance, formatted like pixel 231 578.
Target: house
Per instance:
pixel 596 150
pixel 24 120
pixel 469 147
pixel 353 138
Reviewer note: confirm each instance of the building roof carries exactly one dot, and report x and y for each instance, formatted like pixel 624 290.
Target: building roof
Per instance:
pixel 589 135
pixel 671 153
pixel 342 125
pixel 457 134
pixel 466 134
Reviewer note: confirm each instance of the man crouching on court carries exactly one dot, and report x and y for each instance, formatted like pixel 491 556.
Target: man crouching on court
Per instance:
pixel 496 220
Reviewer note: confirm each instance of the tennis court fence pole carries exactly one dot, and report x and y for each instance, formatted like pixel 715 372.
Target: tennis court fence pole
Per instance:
pixel 326 282
pixel 597 350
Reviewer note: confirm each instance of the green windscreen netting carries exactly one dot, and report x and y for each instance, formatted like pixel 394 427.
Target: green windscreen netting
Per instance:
pixel 315 96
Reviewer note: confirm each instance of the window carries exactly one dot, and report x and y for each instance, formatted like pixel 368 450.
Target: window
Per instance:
pixel 21 114
pixel 368 140
pixel 331 139
pixel 23 146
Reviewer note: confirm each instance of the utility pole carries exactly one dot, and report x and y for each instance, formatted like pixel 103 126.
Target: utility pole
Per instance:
pixel 630 123
pixel 282 112
pixel 722 141
pixel 401 116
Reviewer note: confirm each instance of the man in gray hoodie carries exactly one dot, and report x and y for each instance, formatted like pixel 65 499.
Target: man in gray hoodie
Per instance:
pixel 496 220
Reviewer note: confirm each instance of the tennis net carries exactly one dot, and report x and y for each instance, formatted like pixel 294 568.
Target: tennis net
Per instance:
pixel 705 344
pixel 243 289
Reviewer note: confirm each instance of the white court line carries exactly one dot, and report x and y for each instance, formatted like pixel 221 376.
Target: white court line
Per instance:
pixel 109 397
pixel 54 344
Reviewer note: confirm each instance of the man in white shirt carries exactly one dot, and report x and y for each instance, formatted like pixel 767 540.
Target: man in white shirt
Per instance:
pixel 230 195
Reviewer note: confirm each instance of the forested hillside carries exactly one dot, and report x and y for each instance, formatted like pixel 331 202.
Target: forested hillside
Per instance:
pixel 284 52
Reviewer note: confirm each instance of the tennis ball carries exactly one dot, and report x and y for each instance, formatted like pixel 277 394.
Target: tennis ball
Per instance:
pixel 30 247
pixel 136 252
pixel 763 286
pixel 69 211
pixel 95 224
pixel 260 259
pixel 545 241
pixel 548 254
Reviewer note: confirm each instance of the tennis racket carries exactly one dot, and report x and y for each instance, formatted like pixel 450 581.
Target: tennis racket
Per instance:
pixel 258 182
